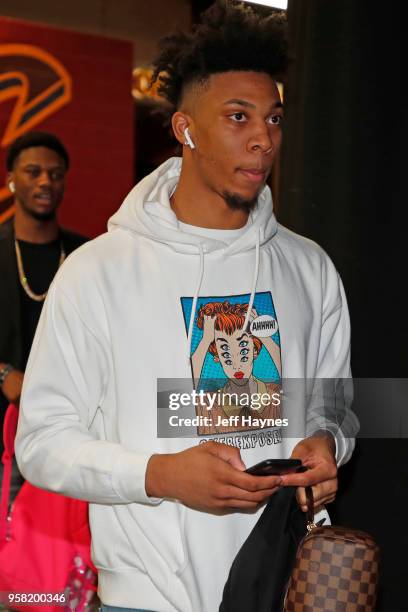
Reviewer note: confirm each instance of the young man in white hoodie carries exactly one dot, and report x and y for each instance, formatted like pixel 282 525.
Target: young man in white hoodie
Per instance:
pixel 169 514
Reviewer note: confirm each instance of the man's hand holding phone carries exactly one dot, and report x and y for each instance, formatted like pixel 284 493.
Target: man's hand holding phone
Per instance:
pixel 212 478
pixel 276 467
pixel 209 477
pixel 318 455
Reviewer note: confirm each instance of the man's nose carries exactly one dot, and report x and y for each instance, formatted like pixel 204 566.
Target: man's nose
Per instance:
pixel 44 179
pixel 261 140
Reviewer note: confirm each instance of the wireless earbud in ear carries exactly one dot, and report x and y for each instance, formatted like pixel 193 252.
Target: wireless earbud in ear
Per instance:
pixel 187 136
pixel 12 187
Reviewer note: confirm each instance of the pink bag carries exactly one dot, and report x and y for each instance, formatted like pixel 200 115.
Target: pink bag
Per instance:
pixel 44 542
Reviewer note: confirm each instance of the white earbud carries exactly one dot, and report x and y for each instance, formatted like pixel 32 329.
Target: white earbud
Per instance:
pixel 187 136
pixel 12 187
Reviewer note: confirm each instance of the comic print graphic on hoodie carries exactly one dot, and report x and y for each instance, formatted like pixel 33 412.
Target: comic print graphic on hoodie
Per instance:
pixel 114 322
pixel 239 362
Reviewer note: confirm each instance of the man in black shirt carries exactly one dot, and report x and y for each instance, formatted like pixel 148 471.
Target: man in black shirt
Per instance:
pixel 32 248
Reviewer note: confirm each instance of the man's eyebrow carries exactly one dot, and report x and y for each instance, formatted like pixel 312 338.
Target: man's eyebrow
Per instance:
pixel 247 104
pixel 240 102
pixel 33 165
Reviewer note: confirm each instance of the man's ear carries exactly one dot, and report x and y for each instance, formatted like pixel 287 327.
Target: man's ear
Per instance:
pixel 179 122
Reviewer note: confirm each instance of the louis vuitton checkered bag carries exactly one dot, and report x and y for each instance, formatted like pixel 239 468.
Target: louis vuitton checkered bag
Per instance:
pixel 336 568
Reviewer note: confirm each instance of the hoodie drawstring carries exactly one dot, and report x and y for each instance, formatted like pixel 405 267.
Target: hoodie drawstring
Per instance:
pixel 198 287
pixel 194 304
pixel 254 281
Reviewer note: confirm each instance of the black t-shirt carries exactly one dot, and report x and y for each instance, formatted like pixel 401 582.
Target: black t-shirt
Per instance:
pixel 40 263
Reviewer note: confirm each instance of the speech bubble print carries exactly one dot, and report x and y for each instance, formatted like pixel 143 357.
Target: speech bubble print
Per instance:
pixel 263 326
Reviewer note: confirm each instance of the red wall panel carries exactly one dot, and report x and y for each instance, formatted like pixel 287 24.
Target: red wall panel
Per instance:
pixel 77 86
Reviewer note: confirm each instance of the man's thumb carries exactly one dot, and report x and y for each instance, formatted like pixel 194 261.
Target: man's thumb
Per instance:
pixel 231 455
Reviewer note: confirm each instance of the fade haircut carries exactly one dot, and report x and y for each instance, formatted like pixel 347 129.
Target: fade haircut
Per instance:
pixel 230 37
pixel 36 139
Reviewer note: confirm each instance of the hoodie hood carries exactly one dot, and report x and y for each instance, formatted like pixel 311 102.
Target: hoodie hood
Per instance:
pixel 146 211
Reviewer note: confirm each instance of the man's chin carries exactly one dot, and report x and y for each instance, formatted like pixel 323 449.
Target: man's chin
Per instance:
pixel 236 201
pixel 43 215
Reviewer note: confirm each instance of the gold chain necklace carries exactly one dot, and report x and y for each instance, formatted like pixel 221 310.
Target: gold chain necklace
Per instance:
pixel 23 279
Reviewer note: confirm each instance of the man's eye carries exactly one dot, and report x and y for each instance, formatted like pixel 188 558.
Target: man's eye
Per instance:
pixel 275 119
pixel 34 173
pixel 243 343
pixel 238 117
pixel 57 175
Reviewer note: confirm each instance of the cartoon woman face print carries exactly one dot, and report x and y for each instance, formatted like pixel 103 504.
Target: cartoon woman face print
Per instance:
pixel 235 352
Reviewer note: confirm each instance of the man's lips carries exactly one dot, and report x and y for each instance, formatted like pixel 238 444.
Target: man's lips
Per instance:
pixel 239 375
pixel 43 197
pixel 253 174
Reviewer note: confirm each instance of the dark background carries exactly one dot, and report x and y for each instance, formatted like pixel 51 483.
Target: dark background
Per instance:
pixel 344 185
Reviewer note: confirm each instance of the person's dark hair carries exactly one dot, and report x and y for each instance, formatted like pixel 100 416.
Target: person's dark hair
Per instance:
pixel 35 139
pixel 230 37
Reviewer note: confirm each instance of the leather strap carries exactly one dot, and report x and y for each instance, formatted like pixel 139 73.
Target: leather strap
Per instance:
pixel 310 505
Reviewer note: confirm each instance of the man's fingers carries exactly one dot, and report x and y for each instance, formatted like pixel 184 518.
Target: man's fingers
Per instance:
pixel 234 471
pixel 324 493
pixel 239 503
pixel 229 454
pixel 248 482
pixel 320 491
pixel 319 505
pixel 318 474
pixel 229 492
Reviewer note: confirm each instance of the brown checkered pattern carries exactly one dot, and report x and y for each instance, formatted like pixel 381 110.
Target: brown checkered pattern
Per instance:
pixel 336 569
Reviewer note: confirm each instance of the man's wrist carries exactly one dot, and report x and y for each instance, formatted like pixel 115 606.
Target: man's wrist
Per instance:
pixel 157 476
pixel 327 435
pixel 5 370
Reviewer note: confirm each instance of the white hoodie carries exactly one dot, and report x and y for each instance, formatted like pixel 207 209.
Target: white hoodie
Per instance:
pixel 115 320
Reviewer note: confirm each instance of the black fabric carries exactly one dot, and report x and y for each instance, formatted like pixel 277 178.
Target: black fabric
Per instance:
pixel 40 263
pixel 344 185
pixel 11 329
pixel 260 572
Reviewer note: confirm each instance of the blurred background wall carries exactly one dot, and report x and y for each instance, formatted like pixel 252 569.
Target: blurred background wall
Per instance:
pixel 78 87
pixel 134 20
pixel 97 43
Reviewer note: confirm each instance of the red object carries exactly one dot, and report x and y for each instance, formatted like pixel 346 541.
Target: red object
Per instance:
pixel 77 86
pixel 44 539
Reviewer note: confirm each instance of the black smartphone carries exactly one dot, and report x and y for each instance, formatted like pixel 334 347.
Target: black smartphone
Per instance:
pixel 275 467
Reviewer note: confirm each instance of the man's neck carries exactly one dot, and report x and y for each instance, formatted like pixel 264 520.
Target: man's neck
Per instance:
pixel 34 230
pixel 204 208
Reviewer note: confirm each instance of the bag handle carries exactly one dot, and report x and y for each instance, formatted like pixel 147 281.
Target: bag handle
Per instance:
pixel 9 434
pixel 310 524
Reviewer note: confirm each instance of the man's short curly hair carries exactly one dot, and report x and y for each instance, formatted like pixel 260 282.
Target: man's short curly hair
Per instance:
pixel 230 37
pixel 36 139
